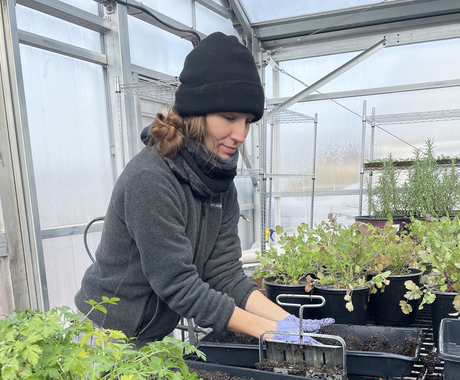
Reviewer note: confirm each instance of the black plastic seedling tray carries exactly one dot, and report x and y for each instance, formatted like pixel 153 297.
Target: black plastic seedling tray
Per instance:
pixel 358 362
pixel 250 373
pixel 449 347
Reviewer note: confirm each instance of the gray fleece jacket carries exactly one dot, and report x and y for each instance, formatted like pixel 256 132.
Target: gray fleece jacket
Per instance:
pixel 165 252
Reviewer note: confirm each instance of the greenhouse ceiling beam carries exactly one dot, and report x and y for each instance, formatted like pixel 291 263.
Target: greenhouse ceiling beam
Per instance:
pixel 373 91
pixel 354 18
pixel 135 12
pixel 216 8
pixel 68 13
pixel 396 34
pixel 62 48
pixel 242 18
pixel 334 74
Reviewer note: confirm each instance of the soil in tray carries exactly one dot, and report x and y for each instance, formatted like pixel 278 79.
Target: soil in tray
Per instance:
pixel 302 369
pixel 371 343
pixel 216 375
pixel 237 338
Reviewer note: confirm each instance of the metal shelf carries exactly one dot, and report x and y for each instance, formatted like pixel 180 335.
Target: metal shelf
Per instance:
pixel 280 115
pixel 414 117
pixel 162 90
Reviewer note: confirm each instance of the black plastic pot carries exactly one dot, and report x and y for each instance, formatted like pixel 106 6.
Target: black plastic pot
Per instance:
pixel 335 305
pixel 362 363
pixel 449 347
pixel 400 220
pixel 385 305
pixel 242 372
pixel 441 308
pixel 272 291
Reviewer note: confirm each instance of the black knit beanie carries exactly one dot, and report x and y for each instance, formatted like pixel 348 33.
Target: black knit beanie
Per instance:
pixel 219 75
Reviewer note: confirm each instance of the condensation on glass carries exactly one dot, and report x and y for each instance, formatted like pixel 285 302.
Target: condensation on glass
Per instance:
pixel 47 26
pixel 69 134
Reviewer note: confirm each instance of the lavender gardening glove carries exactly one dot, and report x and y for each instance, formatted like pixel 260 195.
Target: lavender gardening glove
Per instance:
pixel 291 324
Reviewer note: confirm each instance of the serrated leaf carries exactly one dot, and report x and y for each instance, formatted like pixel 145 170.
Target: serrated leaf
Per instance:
pixel 31 353
pixel 456 302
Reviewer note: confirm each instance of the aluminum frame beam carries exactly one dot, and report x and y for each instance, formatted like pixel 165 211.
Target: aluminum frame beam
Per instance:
pixel 396 34
pixel 26 276
pixel 373 91
pixel 242 18
pixel 354 18
pixel 334 74
pixel 68 13
pixel 62 48
pixel 216 8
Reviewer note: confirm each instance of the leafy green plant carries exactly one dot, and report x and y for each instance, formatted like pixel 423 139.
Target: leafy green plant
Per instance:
pixel 296 259
pixel 63 344
pixel 439 253
pixel 346 253
pixel 393 250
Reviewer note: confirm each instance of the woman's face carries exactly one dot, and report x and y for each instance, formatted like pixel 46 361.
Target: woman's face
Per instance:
pixel 226 132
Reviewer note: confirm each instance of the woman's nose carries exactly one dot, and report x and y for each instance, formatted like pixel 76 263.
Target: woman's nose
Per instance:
pixel 240 131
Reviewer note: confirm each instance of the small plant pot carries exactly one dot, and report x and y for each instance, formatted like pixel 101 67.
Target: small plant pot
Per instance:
pixel 273 290
pixel 400 220
pixel 335 305
pixel 441 308
pixel 385 305
pixel 449 347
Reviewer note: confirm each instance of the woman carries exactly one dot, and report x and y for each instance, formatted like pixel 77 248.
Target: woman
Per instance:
pixel 169 246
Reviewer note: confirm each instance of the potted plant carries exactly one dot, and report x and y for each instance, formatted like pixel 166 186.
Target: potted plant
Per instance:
pixel 430 184
pixel 395 258
pixel 439 253
pixel 63 344
pixel 345 258
pixel 287 270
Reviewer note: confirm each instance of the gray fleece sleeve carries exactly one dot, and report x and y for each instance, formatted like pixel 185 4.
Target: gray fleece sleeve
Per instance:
pixel 224 271
pixel 153 212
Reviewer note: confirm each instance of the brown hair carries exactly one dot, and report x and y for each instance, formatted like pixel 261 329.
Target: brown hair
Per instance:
pixel 169 132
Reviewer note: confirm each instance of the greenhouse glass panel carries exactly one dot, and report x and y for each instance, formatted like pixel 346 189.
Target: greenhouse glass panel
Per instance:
pixel 69 134
pixel 44 25
pixel 2 223
pixel 296 210
pixel 89 6
pixel 279 9
pixel 155 48
pixel 3 308
pixel 66 262
pixel 400 65
pixel 179 10
pixel 208 22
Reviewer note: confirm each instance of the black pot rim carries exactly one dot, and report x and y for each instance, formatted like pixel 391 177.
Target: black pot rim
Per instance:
pixel 414 272
pixel 329 287
pixel 396 217
pixel 441 293
pixel 271 281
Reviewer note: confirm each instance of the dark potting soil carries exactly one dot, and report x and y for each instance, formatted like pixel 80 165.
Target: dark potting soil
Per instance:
pixel 302 369
pixel 238 338
pixel 216 375
pixel 371 343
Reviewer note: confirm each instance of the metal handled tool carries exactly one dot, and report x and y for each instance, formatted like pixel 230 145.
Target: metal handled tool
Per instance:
pixel 298 352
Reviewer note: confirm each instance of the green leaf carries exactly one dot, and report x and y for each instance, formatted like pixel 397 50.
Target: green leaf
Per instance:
pixel 405 307
pixel 31 353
